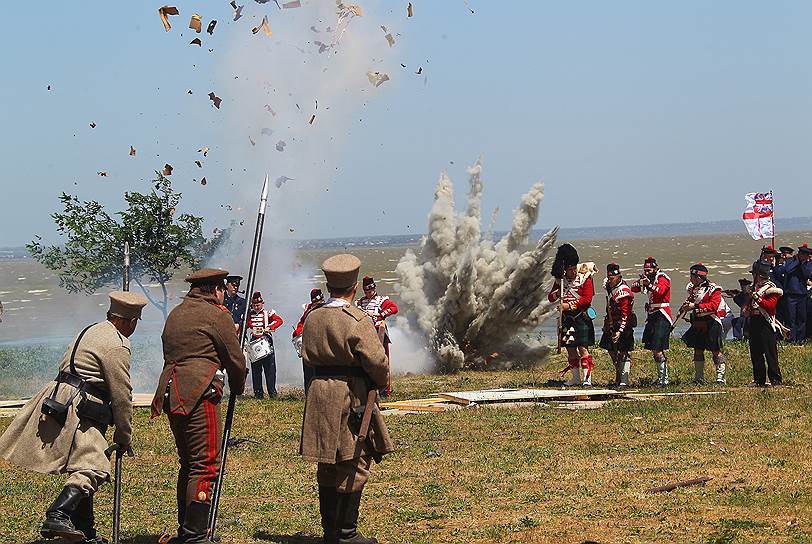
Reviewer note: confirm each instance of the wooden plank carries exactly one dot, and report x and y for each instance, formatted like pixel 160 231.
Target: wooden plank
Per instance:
pixel 416 407
pixel 13 403
pixel 684 483
pixel 504 395
pixel 416 401
pixel 654 394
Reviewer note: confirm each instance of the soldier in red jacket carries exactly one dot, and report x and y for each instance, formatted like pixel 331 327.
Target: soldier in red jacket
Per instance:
pixel 575 289
pixel 705 308
pixel 657 333
pixel 764 326
pixel 316 300
pixel 260 326
pixel 618 326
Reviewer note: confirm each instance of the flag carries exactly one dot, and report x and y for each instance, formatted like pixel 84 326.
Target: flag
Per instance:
pixel 758 215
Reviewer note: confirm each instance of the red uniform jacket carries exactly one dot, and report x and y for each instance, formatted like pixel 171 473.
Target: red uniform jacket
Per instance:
pixel 300 325
pixel 659 295
pixel 621 301
pixel 707 296
pixel 578 292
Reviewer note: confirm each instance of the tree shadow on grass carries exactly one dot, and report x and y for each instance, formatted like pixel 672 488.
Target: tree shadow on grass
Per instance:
pixel 297 538
pixel 139 539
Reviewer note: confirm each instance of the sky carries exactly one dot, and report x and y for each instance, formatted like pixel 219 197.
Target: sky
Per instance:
pixel 631 112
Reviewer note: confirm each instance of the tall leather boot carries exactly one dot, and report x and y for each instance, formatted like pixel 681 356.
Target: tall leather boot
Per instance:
pixel 196 523
pixel 347 508
pixel 84 520
pixel 328 497
pixel 57 518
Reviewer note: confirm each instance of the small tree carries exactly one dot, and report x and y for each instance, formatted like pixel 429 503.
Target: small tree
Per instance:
pixel 161 242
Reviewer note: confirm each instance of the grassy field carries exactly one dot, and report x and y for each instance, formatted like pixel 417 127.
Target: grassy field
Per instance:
pixel 505 475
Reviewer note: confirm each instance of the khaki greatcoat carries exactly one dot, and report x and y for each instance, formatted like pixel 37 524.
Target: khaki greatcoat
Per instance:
pixel 39 443
pixel 341 336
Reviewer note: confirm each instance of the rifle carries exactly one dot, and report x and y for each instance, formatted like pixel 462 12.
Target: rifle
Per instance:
pixel 117 485
pixel 560 312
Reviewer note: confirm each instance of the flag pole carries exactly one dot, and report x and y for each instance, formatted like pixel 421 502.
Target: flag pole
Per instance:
pixel 773 218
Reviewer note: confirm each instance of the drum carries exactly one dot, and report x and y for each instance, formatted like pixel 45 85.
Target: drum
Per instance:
pixel 297 343
pixel 258 349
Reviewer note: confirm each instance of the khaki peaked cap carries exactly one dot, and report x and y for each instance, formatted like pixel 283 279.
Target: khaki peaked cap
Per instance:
pixel 341 271
pixel 207 275
pixel 126 305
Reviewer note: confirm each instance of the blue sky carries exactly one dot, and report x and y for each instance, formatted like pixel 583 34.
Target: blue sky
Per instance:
pixel 632 112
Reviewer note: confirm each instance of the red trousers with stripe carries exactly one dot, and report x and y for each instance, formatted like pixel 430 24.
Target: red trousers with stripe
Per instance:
pixel 197 437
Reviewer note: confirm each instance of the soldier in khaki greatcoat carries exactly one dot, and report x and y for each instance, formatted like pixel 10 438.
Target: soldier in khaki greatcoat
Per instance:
pixel 340 343
pixel 61 429
pixel 199 343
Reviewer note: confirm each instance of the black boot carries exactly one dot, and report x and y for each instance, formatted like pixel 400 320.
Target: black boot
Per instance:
pixel 327 505
pixel 84 520
pixel 347 508
pixel 196 523
pixel 57 518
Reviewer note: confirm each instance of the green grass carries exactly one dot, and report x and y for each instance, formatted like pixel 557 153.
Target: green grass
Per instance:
pixel 514 475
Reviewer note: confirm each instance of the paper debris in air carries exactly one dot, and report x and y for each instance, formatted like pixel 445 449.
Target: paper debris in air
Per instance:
pixel 270 109
pixel 196 42
pixel 266 131
pixel 388 36
pixel 237 10
pixel 204 150
pixel 292 4
pixel 167 171
pixel 102 173
pixel 199 164
pixel 377 78
pixel 132 151
pixel 195 23
pixel 212 24
pixel 409 10
pixel 280 145
pixel 250 139
pixel 281 180
pixel 264 26
pixel 164 11
pixel 215 100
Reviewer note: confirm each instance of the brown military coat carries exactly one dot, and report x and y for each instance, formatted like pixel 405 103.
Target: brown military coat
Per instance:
pixel 341 336
pixel 198 340
pixel 37 442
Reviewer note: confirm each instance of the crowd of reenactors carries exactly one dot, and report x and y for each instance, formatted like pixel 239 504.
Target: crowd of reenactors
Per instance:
pixel 774 307
pixel 61 430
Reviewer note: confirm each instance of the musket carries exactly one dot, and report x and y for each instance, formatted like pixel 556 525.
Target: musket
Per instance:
pixel 232 396
pixel 560 312
pixel 126 274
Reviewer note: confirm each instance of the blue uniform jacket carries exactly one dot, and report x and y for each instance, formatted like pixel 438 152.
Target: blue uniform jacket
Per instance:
pixel 791 276
pixel 235 305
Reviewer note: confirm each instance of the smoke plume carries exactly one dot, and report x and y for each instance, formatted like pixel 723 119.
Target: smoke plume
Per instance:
pixel 473 297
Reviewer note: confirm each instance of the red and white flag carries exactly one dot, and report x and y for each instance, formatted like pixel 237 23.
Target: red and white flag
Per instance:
pixel 758 215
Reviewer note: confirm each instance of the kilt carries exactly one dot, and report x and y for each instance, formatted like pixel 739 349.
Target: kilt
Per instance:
pixel 705 333
pixel 576 330
pixel 624 343
pixel 657 332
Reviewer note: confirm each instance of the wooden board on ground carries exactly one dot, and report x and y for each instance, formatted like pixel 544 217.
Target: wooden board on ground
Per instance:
pixel 655 395
pixel 515 395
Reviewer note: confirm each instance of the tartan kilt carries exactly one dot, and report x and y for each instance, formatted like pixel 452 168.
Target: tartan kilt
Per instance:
pixel 624 343
pixel 577 330
pixel 705 333
pixel 657 332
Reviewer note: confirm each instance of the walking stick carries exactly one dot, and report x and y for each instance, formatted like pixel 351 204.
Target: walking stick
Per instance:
pixel 117 485
pixel 232 397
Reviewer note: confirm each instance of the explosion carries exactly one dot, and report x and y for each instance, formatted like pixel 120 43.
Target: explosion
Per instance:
pixel 472 296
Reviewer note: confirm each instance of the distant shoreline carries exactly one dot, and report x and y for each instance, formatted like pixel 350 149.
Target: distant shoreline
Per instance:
pixel 663 230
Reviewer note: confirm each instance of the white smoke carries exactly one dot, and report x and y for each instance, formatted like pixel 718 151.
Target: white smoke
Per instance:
pixel 473 297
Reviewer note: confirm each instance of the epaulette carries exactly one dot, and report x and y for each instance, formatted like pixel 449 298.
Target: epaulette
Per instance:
pixel 223 308
pixel 355 312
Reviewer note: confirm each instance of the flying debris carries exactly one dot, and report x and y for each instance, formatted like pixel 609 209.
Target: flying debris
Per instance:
pixel 203 182
pixel 195 23
pixel 270 110
pixel 199 164
pixel 49 87
pixel 102 173
pixel 215 100
pixel 292 4
pixel 164 11
pixel 322 46
pixel 377 78
pixel 196 42
pixel 281 180
pixel 237 10
pixel 476 299
pixel 92 125
pixel 132 151
pixel 291 229
pixel 419 71
pixel 388 36
pixel 204 150
pixel 266 131
pixel 409 10
pixel 264 26
pixel 253 143
pixel 312 118
pixel 280 145
pixel 167 171
pixel 210 28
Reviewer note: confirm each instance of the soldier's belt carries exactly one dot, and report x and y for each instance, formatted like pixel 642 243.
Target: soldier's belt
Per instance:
pixel 79 383
pixel 337 371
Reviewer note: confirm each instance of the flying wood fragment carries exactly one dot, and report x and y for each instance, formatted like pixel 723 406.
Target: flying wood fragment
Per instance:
pixel 312 118
pixel 102 173
pixel 280 145
pixel 195 23
pixel 237 10
pixel 212 24
pixel 196 42
pixel 281 180
pixel 377 78
pixel 164 11
pixel 419 71
pixel 270 110
pixel 250 139
pixel 292 4
pixel 409 10
pixel 264 26
pixel 215 100
pixel 203 181
pixel 92 125
pixel 132 151
pixel 388 36
pixel 167 171
pixel 204 150
pixel 199 164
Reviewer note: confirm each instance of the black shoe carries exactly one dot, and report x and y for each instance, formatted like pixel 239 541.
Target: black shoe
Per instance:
pixel 347 509
pixel 83 518
pixel 327 505
pixel 196 523
pixel 96 540
pixel 57 518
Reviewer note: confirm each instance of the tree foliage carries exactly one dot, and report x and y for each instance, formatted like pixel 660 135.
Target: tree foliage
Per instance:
pixel 161 242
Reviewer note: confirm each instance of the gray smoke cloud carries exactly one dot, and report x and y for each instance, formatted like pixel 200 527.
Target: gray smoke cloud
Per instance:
pixel 474 299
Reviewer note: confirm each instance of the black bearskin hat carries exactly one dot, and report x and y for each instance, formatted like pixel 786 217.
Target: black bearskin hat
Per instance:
pixel 564 257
